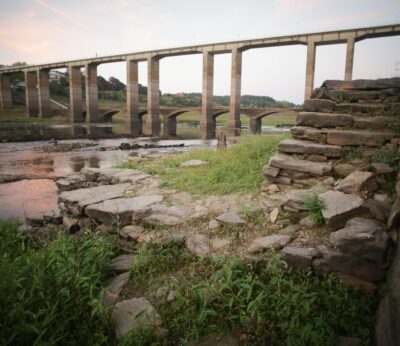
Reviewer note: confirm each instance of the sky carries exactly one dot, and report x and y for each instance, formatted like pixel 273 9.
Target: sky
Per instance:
pixel 42 31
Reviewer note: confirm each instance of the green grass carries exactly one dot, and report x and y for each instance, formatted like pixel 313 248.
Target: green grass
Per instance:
pixel 50 293
pixel 17 115
pixel 390 156
pixel 236 169
pixel 315 206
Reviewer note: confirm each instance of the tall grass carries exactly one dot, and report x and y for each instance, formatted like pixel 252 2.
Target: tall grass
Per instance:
pixel 51 295
pixel 236 169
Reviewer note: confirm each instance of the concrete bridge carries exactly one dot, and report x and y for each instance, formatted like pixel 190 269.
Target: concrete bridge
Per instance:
pixel 37 77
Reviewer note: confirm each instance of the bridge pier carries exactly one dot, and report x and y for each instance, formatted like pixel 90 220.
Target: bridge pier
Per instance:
pixel 255 125
pixel 5 92
pixel 92 102
pixel 153 96
pixel 169 126
pixel 43 93
pixel 236 79
pixel 75 95
pixel 310 69
pixel 31 94
pixel 207 123
pixel 348 73
pixel 132 98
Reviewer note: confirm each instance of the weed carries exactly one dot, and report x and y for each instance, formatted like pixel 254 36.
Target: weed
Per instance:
pixel 386 155
pixel 315 206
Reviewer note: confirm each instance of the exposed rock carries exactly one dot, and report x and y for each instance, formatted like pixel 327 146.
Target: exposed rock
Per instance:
pixel 199 244
pixel 213 224
pixel 45 217
pixel 394 216
pixel 352 281
pixel 273 188
pixel 131 232
pixel 114 287
pixel 290 230
pixel 270 171
pixel 119 211
pixel 358 138
pixel 122 263
pixel 317 105
pixel 84 197
pixel 295 199
pixel 382 198
pixel 359 84
pixel 164 215
pixel 364 238
pixel 134 314
pixel 71 224
pixel 307 222
pixel 272 242
pixel 340 207
pixel 273 216
pixel 334 261
pixel 378 210
pixel 295 146
pixel 114 175
pixel 324 120
pixel 344 169
pixel 358 183
pixel 303 132
pixel 298 257
pixel 287 162
pixel 230 218
pixel 219 244
pixel 193 163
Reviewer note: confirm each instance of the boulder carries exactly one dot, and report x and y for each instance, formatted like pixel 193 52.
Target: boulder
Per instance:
pixel 358 182
pixel 230 218
pixel 199 245
pixel 381 168
pixel 271 242
pixel 364 238
pixel 114 287
pixel 135 315
pixel 324 120
pixel 290 163
pixel 344 169
pixel 295 199
pixel 340 207
pixel 270 171
pixel 122 263
pixel 131 232
pixel 298 257
pixel 120 210
pixel 378 210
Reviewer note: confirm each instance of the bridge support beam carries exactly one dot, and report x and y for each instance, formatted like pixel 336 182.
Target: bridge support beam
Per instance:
pixel 207 123
pixel 75 95
pixel 153 96
pixel 236 81
pixel 169 127
pixel 91 89
pixel 310 70
pixel 255 125
pixel 5 92
pixel 348 72
pixel 132 98
pixel 44 93
pixel 31 94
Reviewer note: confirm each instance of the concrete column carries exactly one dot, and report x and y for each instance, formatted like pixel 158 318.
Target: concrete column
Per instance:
pixel 132 98
pixel 169 127
pixel 348 72
pixel 91 93
pixel 310 70
pixel 44 93
pixel 207 123
pixel 75 95
pixel 5 92
pixel 255 125
pixel 236 81
pixel 31 94
pixel 153 96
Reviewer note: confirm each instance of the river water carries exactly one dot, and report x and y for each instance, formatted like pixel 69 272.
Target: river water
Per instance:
pixel 37 193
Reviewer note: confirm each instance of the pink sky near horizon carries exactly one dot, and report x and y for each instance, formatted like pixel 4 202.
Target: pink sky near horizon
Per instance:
pixel 39 31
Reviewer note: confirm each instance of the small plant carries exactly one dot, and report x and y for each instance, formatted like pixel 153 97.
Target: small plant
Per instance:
pixel 315 206
pixel 386 155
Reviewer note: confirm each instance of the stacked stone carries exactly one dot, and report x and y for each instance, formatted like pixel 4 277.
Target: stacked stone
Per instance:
pixel 339 116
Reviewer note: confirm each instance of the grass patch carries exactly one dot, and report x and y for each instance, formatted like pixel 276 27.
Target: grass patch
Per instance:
pixel 50 294
pixel 315 206
pixel 386 155
pixel 17 115
pixel 236 169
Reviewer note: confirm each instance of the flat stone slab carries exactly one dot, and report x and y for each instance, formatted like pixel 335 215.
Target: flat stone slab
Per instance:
pixel 230 218
pixel 134 315
pixel 168 215
pixel 312 134
pixel 358 182
pixel 92 195
pixel 115 175
pixel 272 242
pixel 295 146
pixel 298 257
pixel 324 120
pixel 358 138
pixel 287 162
pixel 199 245
pixel 122 263
pixel 120 210
pixel 364 238
pixel 193 163
pixel 340 207
pixel 318 105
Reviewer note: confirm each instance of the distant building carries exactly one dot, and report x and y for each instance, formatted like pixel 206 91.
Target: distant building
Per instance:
pixel 56 75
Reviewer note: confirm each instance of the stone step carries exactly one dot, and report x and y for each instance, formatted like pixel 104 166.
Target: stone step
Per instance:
pixel 372 123
pixel 364 108
pixel 324 120
pixel 287 162
pixel 319 105
pixel 295 146
pixel 343 137
pixel 359 84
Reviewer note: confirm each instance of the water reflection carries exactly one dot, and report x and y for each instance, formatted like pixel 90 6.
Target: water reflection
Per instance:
pixel 78 162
